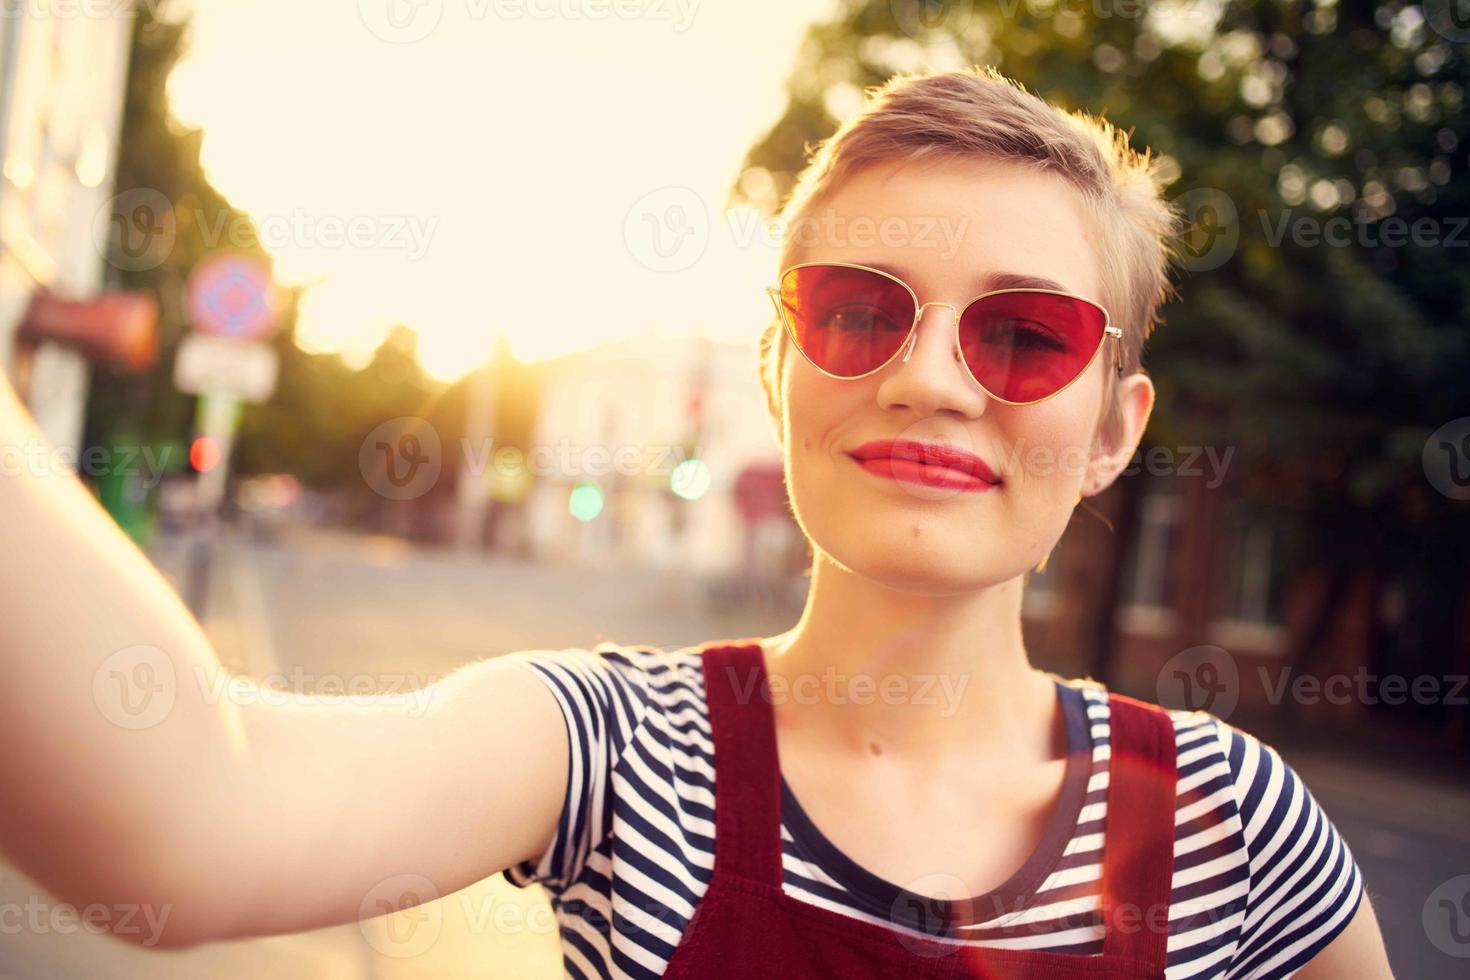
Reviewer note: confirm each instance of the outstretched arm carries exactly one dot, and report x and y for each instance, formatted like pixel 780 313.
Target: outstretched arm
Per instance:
pixel 132 776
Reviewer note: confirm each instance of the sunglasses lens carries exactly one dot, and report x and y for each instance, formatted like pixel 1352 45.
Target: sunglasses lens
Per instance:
pixel 849 322
pixel 1023 346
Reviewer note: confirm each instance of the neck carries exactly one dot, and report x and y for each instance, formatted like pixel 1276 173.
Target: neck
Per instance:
pixel 923 676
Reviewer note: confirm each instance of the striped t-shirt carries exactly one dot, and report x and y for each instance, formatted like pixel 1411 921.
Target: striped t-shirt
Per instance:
pixel 1262 880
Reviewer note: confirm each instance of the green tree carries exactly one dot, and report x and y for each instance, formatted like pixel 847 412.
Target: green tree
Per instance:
pixel 166 216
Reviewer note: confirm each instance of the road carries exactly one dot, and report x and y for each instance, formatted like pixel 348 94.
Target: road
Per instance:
pixel 319 607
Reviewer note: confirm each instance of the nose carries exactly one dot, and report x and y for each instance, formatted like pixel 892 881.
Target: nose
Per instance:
pixel 953 312
pixel 930 376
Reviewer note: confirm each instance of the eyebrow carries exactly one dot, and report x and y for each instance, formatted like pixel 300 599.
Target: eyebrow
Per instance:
pixel 995 280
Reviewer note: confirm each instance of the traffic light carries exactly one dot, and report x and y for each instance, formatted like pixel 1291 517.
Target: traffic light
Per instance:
pixel 204 454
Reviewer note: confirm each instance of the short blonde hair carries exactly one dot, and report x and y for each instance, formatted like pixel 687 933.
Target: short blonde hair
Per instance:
pixel 978 113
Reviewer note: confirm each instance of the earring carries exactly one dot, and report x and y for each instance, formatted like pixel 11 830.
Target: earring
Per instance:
pixel 1041 566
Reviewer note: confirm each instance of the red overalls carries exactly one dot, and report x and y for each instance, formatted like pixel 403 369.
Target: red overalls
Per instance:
pixel 746 926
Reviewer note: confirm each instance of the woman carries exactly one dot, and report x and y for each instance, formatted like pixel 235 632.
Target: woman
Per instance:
pixel 888 788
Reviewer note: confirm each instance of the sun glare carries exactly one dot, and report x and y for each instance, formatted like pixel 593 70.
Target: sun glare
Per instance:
pixel 540 177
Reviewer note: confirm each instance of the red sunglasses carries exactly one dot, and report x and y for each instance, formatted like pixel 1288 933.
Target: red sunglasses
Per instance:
pixel 1021 346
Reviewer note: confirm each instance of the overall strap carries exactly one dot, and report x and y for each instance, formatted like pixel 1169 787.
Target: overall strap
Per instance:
pixel 1138 847
pixel 747 769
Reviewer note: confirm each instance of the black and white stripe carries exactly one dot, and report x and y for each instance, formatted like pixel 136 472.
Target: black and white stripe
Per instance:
pixel 1262 881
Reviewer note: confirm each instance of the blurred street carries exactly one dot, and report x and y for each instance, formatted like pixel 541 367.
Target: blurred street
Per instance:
pixel 330 603
pixel 329 606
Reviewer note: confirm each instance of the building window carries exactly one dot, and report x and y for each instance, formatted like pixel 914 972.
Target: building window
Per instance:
pixel 1254 593
pixel 1251 580
pixel 1150 567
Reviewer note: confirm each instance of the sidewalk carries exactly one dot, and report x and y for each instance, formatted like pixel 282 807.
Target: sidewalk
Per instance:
pixel 1418 804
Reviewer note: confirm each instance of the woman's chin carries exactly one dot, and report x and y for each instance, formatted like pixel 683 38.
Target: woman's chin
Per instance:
pixel 916 571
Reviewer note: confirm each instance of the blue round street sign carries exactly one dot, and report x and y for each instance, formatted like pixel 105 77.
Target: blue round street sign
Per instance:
pixel 231 295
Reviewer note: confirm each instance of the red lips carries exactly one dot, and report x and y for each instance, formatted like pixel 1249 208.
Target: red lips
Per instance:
pixel 930 457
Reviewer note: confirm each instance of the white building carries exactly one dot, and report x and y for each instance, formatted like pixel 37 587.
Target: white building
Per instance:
pixel 622 417
pixel 63 72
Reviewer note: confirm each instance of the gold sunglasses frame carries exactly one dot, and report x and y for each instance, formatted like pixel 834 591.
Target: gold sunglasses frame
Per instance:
pixel 907 346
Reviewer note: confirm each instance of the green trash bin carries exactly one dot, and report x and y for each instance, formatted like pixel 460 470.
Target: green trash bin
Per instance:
pixel 128 490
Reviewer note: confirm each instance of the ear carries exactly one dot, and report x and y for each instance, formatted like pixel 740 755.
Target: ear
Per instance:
pixel 1119 432
pixel 771 356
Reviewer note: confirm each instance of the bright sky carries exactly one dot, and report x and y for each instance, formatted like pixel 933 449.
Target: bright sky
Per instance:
pixel 515 165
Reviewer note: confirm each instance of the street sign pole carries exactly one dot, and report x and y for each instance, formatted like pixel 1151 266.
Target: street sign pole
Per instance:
pixel 216 419
pixel 226 362
pixel 477 470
